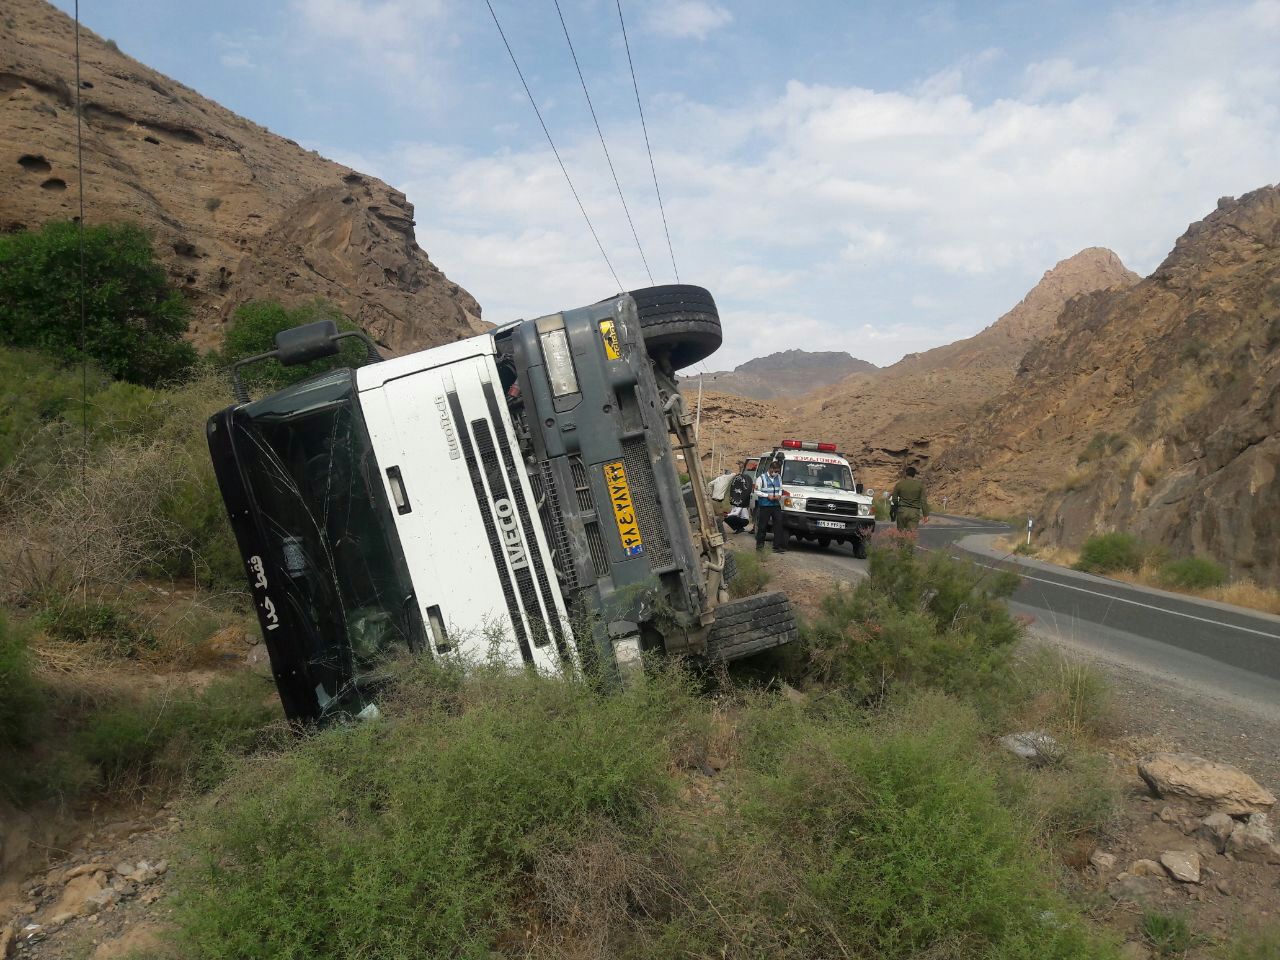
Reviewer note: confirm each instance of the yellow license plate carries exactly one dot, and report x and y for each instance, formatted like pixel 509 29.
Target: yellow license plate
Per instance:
pixel 609 334
pixel 624 512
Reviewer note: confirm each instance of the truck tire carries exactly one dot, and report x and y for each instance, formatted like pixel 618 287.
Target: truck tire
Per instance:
pixel 859 548
pixel 680 320
pixel 751 625
pixel 740 488
pixel 730 572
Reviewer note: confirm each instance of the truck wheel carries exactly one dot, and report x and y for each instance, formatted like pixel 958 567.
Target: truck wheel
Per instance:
pixel 730 572
pixel 751 625
pixel 859 548
pixel 824 542
pixel 680 320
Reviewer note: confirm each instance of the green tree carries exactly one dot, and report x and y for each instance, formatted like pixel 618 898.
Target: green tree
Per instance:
pixel 253 330
pixel 134 320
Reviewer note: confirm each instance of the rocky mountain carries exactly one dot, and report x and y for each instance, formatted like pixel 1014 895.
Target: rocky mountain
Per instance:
pixel 790 373
pixel 910 411
pixel 236 211
pixel 1152 408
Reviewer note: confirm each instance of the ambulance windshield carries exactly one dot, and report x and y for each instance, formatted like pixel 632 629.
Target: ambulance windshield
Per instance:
pixel 801 473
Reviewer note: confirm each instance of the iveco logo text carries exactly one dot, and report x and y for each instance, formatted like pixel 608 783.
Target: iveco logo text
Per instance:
pixel 447 426
pixel 511 534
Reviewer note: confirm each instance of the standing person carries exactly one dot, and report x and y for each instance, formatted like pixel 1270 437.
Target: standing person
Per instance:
pixel 912 502
pixel 769 508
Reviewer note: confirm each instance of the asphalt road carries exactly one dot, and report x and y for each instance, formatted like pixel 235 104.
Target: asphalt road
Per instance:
pixel 1227 650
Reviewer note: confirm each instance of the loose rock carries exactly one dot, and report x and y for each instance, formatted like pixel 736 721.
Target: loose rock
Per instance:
pixel 76 894
pixel 1102 862
pixel 1033 746
pixel 1253 841
pixel 1147 868
pixel 1216 828
pixel 1215 786
pixel 1183 865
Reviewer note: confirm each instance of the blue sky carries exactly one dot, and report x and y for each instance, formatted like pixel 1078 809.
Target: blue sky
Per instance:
pixel 876 177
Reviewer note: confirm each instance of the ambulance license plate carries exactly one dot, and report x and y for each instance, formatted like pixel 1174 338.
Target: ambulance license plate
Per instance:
pixel 831 524
pixel 624 512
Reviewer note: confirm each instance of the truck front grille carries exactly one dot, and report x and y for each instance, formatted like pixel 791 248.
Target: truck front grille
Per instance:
pixel 544 490
pixel 644 495
pixel 581 485
pixel 831 506
pixel 595 543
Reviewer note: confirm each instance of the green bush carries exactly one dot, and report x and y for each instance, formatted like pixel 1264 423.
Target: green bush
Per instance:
pixel 171 738
pixel 253 330
pixel 407 837
pixel 1192 573
pixel 1261 944
pixel 752 576
pixel 1168 934
pixel 1110 552
pixel 106 626
pixel 931 621
pixel 839 835
pixel 134 321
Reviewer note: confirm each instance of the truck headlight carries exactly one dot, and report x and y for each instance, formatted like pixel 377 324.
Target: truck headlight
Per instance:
pixel 555 351
pixel 864 510
pixel 795 503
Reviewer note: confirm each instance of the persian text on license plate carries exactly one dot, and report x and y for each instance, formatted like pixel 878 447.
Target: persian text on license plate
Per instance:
pixel 624 513
pixel 831 524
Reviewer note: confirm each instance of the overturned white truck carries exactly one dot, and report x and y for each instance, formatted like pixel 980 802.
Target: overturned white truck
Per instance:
pixel 513 495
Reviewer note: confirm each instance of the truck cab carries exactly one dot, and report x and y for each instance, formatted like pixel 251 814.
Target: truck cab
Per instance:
pixel 512 497
pixel 822 503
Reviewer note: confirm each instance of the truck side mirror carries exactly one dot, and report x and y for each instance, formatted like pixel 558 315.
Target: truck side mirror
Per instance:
pixel 858 487
pixel 311 341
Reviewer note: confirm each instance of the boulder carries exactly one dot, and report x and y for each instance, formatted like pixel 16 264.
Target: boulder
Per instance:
pixel 1219 787
pixel 1253 841
pixel 1216 828
pixel 1183 865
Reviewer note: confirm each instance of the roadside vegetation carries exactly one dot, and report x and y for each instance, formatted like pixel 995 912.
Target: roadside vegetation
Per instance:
pixel 1126 557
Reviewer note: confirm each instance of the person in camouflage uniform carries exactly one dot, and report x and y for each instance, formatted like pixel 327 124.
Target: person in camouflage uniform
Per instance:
pixel 912 502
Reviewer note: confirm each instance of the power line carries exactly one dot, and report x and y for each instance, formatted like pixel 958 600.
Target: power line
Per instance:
pixel 563 169
pixel 609 160
pixel 653 169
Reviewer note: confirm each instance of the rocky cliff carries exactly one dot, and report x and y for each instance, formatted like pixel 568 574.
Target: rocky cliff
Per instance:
pixel 236 211
pixel 790 373
pixel 1153 409
pixel 911 411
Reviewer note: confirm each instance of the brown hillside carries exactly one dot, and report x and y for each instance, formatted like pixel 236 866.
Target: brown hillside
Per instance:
pixel 1153 409
pixel 789 374
pixel 236 211
pixel 915 408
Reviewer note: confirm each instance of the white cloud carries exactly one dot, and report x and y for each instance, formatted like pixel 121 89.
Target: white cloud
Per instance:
pixel 848 218
pixel 684 19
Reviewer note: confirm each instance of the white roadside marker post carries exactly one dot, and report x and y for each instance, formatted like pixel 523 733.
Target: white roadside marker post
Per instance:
pixel 1029 522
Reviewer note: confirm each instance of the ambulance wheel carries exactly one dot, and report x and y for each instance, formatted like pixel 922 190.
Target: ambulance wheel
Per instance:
pixel 824 542
pixel 859 548
pixel 679 320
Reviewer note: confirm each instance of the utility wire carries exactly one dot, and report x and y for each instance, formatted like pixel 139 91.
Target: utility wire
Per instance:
pixel 653 169
pixel 563 170
pixel 609 160
pixel 84 357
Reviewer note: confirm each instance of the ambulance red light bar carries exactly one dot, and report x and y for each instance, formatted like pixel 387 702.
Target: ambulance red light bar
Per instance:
pixel 809 445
